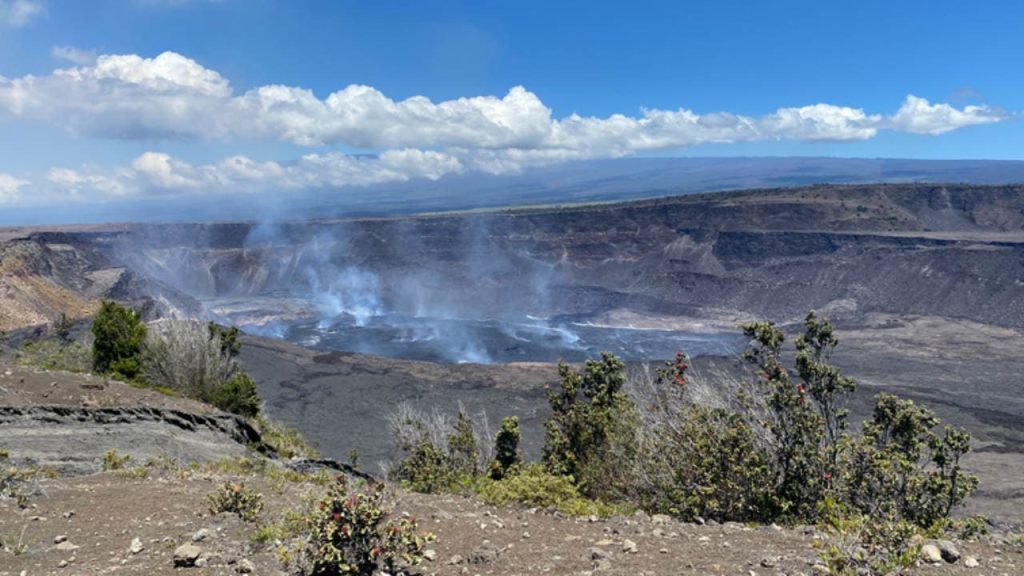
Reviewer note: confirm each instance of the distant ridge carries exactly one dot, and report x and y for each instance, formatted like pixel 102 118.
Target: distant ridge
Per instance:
pixel 583 181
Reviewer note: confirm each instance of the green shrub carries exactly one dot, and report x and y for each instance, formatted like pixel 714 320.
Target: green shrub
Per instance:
pixel 438 455
pixel 236 498
pixel 62 328
pixel 868 546
pixel 113 461
pixel 506 449
pixel 901 468
pixel 533 486
pixel 707 465
pixel 825 385
pixel 694 456
pixel 351 532
pixel 227 338
pixel 427 469
pixel 795 426
pixel 588 434
pixel 119 336
pixel 238 395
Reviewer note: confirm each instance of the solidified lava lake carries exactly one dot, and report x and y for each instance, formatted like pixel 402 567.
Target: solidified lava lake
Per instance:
pixel 488 341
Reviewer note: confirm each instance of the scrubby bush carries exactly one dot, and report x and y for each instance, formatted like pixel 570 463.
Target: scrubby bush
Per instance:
pixel 694 455
pixel 236 498
pixel 901 468
pixel 198 360
pixel 463 448
pixel 182 355
pixel 439 455
pixel 237 395
pixel 588 434
pixel 351 532
pixel 119 337
pixel 533 486
pixel 867 545
pixel 112 460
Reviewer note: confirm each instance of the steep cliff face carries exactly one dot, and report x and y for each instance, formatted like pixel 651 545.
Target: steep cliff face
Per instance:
pixel 953 251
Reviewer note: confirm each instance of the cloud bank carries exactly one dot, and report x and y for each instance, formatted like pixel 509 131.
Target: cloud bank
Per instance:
pixel 170 96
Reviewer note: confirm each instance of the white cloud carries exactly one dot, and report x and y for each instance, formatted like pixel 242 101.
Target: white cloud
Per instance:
pixel 171 96
pixel 10 187
pixel 131 97
pixel 157 173
pixel 17 13
pixel 919 116
pixel 74 55
pixel 125 97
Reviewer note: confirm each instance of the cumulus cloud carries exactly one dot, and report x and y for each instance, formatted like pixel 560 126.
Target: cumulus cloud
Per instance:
pixel 17 13
pixel 171 96
pixel 9 188
pixel 919 116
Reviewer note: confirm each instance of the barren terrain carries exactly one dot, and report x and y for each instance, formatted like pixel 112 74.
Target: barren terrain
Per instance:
pixel 925 284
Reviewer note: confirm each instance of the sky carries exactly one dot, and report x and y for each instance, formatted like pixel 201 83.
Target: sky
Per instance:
pixel 114 101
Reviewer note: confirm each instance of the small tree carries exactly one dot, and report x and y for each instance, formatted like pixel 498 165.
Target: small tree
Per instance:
pixel 463 449
pixel 794 424
pixel 506 449
pixel 119 338
pixel 826 386
pixel 62 328
pixel 590 425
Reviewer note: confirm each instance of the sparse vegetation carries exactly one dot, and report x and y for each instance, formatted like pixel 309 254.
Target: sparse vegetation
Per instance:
pixel 21 483
pixel 287 442
pixel 352 532
pixel 52 354
pixel 112 461
pixel 775 448
pixel 439 455
pixel 14 545
pixel 198 360
pixel 237 395
pixel 236 498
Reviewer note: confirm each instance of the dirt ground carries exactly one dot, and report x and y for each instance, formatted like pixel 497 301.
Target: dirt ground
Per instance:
pixel 97 517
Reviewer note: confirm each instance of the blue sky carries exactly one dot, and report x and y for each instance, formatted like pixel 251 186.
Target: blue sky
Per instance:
pixel 119 99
